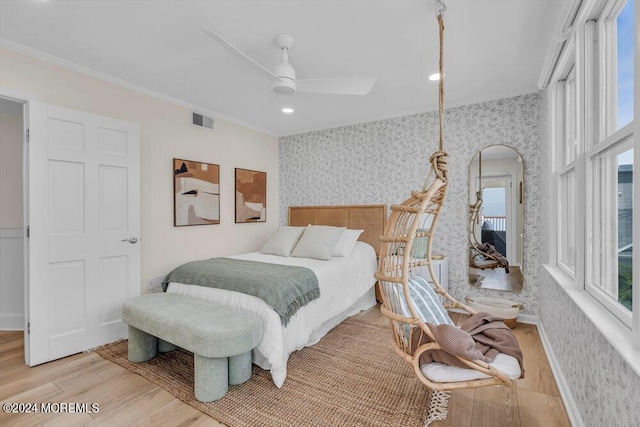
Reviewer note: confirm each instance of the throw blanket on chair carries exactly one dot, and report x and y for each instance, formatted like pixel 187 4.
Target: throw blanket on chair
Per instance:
pixel 285 288
pixel 491 251
pixel 481 337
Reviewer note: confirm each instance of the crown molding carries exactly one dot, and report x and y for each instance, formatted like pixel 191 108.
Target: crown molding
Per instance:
pixel 63 63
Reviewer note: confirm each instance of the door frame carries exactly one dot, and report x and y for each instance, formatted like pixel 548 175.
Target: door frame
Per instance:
pixel 510 207
pixel 24 100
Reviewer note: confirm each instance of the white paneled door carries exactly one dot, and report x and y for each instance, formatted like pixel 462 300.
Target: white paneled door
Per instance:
pixel 84 219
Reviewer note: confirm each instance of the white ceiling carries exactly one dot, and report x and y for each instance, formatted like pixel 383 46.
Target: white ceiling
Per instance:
pixel 493 49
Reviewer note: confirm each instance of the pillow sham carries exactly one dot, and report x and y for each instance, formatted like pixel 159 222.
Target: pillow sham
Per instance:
pixel 317 242
pixel 283 241
pixel 346 242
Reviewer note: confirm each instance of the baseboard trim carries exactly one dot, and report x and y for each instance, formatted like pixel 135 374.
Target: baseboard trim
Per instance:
pixel 529 319
pixel 11 232
pixel 565 392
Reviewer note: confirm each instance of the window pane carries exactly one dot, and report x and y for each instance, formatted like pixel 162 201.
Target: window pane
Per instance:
pixel 494 201
pixel 570 120
pixel 567 221
pixel 624 56
pixel 625 222
pixel 611 245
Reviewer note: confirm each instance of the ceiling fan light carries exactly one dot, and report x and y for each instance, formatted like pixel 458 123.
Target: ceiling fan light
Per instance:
pixel 283 90
pixel 287 110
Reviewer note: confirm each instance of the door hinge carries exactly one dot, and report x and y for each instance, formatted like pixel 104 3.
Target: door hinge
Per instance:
pixel 27 136
pixel 29 328
pixel 28 231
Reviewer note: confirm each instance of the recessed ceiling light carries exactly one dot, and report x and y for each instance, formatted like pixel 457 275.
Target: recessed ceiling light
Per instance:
pixel 434 77
pixel 287 110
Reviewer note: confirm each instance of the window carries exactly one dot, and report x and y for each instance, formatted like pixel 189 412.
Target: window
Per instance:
pixel 595 145
pixel 624 61
pixel 609 272
pixel 567 223
pixel 571 118
pixel 568 138
pixel 624 247
pixel 610 168
pixel 616 34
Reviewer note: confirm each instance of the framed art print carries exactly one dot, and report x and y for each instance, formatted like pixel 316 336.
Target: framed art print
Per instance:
pixel 196 193
pixel 251 196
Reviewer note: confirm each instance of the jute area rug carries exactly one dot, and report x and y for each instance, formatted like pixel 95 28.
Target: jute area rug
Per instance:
pixel 352 377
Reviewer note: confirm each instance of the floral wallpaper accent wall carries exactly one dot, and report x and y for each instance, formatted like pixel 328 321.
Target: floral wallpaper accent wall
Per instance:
pixel 605 389
pixel 381 162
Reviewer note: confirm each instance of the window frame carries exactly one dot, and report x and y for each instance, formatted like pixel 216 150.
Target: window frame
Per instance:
pixel 590 45
pixel 607 38
pixel 615 144
pixel 563 136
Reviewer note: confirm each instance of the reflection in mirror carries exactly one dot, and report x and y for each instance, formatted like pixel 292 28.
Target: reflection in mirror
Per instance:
pixel 496 219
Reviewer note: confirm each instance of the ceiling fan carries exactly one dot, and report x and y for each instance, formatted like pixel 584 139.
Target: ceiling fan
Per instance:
pixel 283 77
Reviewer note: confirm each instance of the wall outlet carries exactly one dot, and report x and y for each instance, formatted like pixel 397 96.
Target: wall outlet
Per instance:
pixel 154 283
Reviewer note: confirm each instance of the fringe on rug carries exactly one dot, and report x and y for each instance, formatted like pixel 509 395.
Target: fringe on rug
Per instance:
pixel 437 410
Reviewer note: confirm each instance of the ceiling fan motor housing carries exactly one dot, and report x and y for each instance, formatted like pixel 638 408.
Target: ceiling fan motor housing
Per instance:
pixel 284 86
pixel 286 83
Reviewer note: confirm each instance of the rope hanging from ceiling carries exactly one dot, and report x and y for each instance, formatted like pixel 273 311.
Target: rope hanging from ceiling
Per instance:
pixel 438 159
pixel 406 252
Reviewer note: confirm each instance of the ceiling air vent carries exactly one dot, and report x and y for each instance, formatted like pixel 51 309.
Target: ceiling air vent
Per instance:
pixel 201 120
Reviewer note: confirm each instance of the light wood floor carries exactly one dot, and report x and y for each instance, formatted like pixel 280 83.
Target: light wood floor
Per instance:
pixel 498 278
pixel 127 399
pixel 534 401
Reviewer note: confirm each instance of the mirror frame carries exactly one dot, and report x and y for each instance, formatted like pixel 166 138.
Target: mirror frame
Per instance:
pixel 519 199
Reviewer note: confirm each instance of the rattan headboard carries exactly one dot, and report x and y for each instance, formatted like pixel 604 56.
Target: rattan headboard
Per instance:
pixel 370 218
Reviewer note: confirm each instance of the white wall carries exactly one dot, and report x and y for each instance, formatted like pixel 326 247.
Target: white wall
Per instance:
pixel 11 279
pixel 11 231
pixel 165 133
pixel 10 169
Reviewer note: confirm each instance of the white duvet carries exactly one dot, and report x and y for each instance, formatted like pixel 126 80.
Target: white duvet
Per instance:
pixel 346 287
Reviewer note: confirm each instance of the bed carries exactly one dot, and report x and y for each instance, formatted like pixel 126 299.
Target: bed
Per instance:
pixel 346 285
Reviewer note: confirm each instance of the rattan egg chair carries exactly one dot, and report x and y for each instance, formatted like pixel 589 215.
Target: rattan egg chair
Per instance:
pixel 477 257
pixel 410 224
pixel 482 256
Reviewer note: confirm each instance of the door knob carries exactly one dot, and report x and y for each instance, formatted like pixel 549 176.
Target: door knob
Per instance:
pixel 131 240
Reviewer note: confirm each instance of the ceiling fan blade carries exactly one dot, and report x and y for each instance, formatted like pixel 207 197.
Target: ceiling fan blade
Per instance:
pixel 342 86
pixel 266 100
pixel 231 48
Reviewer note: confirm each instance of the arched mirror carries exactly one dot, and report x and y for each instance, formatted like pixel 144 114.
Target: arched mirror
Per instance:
pixel 496 219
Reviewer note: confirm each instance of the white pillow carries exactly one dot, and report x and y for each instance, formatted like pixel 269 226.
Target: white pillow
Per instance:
pixel 346 242
pixel 317 242
pixel 283 241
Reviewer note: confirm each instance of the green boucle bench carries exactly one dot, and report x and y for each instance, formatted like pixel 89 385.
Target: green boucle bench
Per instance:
pixel 220 338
